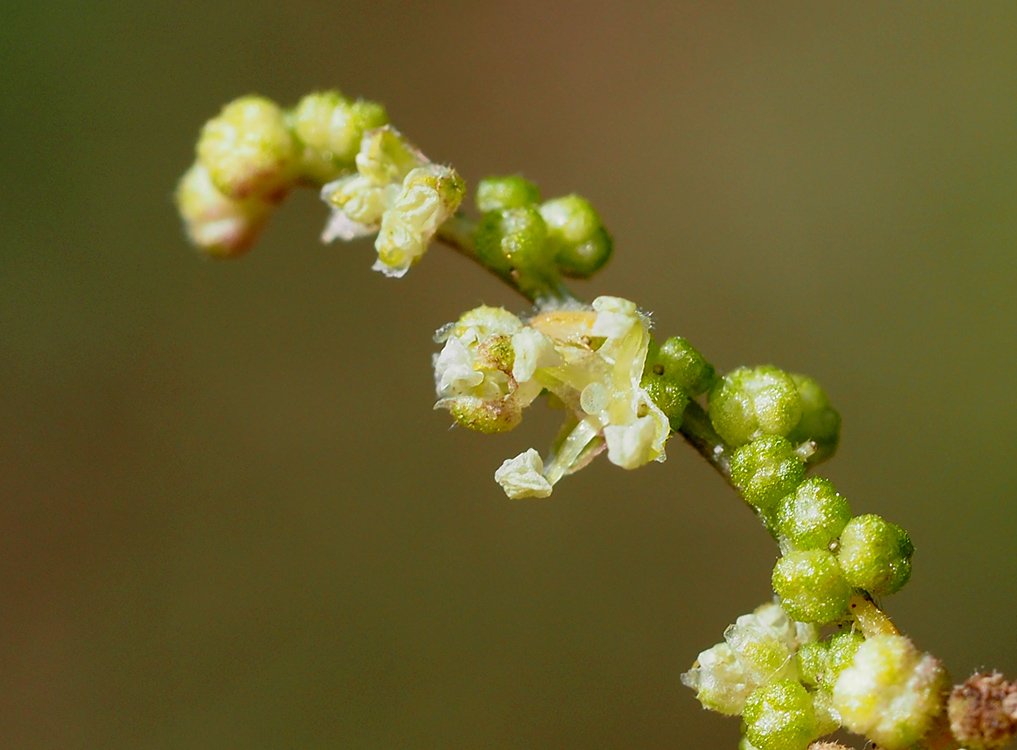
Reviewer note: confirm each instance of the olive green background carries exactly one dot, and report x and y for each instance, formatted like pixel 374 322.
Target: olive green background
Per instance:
pixel 230 517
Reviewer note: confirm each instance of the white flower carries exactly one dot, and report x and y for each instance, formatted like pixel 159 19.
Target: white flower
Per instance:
pixel 454 371
pixel 429 196
pixel 532 351
pixel 397 193
pixel 523 476
pixel 493 365
pixel 608 380
pixel 758 648
pixel 484 373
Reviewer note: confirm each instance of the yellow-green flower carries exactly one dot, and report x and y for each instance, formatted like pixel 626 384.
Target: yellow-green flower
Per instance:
pixel 397 193
pixel 493 365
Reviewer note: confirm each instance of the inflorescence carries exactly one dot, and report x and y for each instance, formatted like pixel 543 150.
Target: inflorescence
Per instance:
pixel 821 656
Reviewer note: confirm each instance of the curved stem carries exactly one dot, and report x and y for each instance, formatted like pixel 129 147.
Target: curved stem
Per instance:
pixel 699 433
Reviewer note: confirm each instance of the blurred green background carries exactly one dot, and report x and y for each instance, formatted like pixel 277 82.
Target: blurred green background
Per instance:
pixel 231 518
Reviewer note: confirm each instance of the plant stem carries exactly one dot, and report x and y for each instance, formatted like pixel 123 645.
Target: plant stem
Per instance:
pixel 699 433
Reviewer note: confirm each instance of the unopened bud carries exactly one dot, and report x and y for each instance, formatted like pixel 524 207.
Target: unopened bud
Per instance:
pixel 248 149
pixel 218 225
pixel 983 712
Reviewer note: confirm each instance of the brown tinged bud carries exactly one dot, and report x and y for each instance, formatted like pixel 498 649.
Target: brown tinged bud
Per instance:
pixel 983 711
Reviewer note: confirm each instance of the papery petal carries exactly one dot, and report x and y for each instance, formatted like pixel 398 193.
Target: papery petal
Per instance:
pixel 639 442
pixel 522 476
pixel 532 351
pixel 453 369
pixel 615 316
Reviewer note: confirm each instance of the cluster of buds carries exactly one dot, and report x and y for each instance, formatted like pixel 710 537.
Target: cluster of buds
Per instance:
pixel 790 687
pixel 253 152
pixel 778 425
pixel 493 364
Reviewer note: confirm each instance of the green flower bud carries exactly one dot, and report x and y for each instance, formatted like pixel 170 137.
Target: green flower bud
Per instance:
pixel 580 244
pixel 669 398
pixel 812 659
pixel 248 150
pixel 841 652
pixel 780 716
pixel 821 662
pixel 330 127
pixel 811 586
pixel 748 403
pixel 682 362
pixel 820 422
pixel 513 191
pixel 429 195
pixel 875 554
pixel 514 239
pixel 827 718
pixel 890 692
pixel 812 516
pixel 220 226
pixel 766 470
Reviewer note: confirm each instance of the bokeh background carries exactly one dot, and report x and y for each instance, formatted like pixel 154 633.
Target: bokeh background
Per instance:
pixel 231 519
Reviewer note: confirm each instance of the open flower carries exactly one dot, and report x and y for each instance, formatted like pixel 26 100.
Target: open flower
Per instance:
pixel 758 648
pixel 493 365
pixel 484 374
pixel 398 193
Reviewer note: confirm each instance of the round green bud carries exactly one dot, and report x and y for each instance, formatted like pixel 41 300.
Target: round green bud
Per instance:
pixel 820 422
pixel 669 398
pixel 750 402
pixel 812 516
pixel 682 362
pixel 580 244
pixel 812 659
pixel 811 586
pixel 841 651
pixel 827 718
pixel 514 239
pixel 248 150
pixel 330 127
pixel 513 191
pixel 766 470
pixel 875 554
pixel 780 716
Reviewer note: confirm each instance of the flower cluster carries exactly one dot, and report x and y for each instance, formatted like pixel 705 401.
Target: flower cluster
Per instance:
pixel 396 193
pixel 791 687
pixel 623 394
pixel 493 365
pixel 253 152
